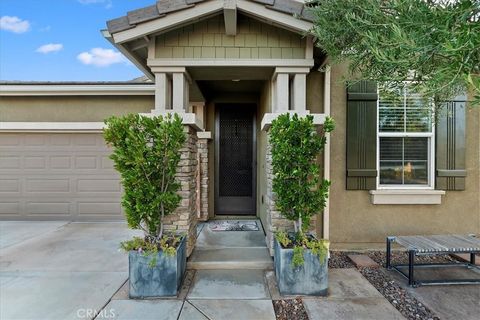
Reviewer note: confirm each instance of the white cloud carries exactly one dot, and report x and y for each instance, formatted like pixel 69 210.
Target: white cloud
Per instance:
pixel 50 47
pixel 108 3
pixel 101 57
pixel 14 24
pixel 45 29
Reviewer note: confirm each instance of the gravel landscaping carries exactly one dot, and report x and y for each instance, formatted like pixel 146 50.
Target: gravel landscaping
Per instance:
pixel 408 306
pixel 290 309
pixel 402 257
pixel 339 260
pixel 403 301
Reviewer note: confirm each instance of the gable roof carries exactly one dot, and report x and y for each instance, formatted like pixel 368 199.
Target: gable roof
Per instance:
pixel 130 34
pixel 165 7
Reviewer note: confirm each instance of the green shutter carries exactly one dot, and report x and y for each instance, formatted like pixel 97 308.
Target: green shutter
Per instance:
pixel 362 135
pixel 450 146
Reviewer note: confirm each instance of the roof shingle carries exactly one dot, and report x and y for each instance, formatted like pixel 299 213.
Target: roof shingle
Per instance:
pixel 163 7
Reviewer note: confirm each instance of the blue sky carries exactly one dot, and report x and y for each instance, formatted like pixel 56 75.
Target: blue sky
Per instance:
pixel 60 40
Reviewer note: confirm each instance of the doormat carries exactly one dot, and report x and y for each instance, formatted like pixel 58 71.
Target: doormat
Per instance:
pixel 236 225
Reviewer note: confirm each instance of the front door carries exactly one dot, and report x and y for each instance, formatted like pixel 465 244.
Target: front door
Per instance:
pixel 235 173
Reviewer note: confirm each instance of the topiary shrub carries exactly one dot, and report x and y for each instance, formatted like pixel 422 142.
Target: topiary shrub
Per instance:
pixel 146 153
pixel 300 191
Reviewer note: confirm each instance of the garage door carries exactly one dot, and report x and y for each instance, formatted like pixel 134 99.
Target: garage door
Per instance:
pixel 46 176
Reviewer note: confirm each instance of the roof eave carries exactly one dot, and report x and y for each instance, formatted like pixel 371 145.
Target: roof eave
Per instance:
pixel 139 63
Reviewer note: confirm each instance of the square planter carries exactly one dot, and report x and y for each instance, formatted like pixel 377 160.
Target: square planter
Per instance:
pixel 309 279
pixel 164 279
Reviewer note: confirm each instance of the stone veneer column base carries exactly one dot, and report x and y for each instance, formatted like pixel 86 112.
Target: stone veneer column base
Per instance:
pixel 202 146
pixel 184 219
pixel 275 221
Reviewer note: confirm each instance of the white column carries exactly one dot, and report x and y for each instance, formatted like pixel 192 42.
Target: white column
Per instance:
pixel 282 93
pixel 162 92
pixel 179 92
pixel 299 92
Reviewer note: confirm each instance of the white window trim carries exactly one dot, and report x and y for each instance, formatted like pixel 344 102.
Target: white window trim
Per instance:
pixel 431 154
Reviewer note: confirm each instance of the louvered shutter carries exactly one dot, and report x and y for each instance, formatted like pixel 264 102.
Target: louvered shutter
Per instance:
pixel 450 146
pixel 362 135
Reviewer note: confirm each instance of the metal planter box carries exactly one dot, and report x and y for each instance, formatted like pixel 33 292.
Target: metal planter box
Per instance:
pixel 309 279
pixel 164 279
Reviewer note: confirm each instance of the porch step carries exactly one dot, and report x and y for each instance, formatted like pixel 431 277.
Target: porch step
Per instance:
pixel 230 258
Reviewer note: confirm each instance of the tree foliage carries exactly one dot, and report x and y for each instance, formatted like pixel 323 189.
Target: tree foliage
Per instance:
pixel 434 43
pixel 146 152
pixel 299 189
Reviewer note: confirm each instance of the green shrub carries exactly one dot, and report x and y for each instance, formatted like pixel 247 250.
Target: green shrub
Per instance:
pixel 146 153
pixel 300 191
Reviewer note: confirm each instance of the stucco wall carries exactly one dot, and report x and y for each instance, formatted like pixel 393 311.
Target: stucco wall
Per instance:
pixel 315 91
pixel 264 106
pixel 353 219
pixel 71 108
pixel 207 39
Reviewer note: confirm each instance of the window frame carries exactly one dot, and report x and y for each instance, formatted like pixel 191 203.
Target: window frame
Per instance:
pixel 431 151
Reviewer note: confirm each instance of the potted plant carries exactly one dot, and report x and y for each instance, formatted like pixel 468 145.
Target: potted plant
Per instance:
pixel 146 152
pixel 301 260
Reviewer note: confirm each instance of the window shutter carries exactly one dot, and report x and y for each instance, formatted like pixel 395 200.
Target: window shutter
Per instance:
pixel 362 135
pixel 450 146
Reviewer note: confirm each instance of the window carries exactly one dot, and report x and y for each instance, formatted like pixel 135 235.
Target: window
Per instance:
pixel 405 139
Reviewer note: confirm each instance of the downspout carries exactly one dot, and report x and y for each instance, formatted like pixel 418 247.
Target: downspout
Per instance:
pixel 326 151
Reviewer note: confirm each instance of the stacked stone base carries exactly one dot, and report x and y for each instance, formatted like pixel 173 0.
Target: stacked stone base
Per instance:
pixel 275 221
pixel 184 219
pixel 202 202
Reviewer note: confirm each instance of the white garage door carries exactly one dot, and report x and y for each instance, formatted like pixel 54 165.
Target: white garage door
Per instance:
pixel 68 176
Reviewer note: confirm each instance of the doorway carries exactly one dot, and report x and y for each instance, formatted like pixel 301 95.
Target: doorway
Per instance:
pixel 235 159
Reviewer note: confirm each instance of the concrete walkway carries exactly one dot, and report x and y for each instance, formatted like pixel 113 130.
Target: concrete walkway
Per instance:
pixel 57 270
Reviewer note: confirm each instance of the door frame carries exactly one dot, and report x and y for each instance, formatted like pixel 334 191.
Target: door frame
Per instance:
pixel 217 107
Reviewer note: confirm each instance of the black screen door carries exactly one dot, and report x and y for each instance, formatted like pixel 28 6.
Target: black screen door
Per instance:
pixel 235 159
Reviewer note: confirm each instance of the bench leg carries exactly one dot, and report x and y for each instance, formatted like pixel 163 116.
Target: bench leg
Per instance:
pixel 472 258
pixel 411 262
pixel 388 263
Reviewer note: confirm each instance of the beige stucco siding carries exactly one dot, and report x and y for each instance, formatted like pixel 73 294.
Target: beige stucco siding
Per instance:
pixel 264 106
pixel 354 219
pixel 71 108
pixel 207 39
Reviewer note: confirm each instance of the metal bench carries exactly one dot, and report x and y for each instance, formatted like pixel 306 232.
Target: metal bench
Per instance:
pixel 430 245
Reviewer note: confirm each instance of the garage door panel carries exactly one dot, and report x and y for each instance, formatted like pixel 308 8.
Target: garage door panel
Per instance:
pixel 48 208
pixel 60 162
pixel 35 162
pixel 47 185
pixel 9 185
pixel 58 174
pixel 98 185
pixel 9 162
pixel 10 207
pixel 96 208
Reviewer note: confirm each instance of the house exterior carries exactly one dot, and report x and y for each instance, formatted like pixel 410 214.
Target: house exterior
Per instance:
pixel 229 68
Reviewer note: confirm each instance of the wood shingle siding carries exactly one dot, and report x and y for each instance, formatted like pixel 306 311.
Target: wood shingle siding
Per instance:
pixel 207 39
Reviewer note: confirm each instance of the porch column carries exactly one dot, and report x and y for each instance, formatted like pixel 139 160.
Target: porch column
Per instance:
pixel 162 92
pixel 172 96
pixel 282 91
pixel 299 92
pixel 180 94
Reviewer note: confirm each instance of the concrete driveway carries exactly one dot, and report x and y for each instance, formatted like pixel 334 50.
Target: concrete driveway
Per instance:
pixel 60 270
